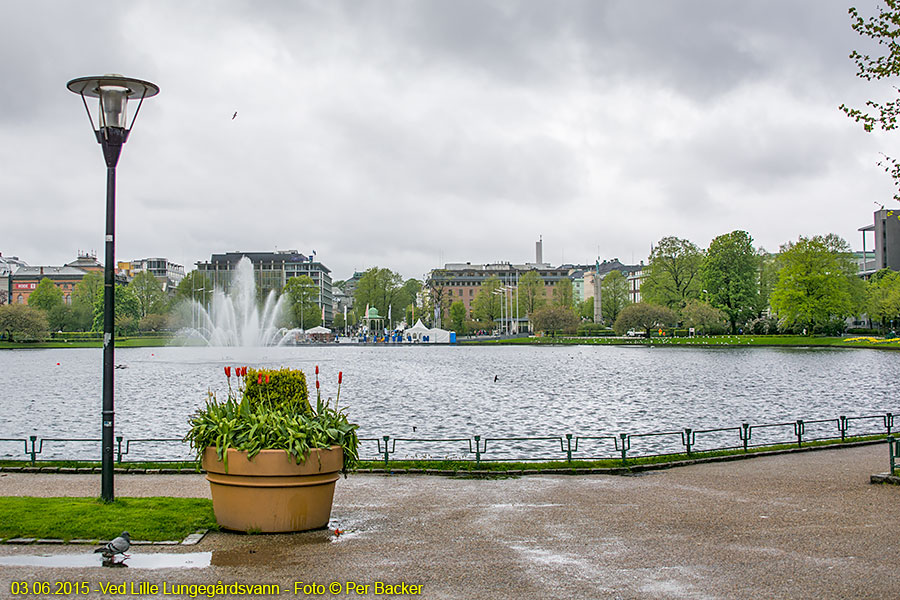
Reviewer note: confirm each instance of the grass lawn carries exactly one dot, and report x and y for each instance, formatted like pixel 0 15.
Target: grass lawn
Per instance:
pixel 705 341
pixel 136 342
pixel 152 519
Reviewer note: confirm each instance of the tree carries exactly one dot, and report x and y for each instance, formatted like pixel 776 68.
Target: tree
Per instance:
pixel 86 290
pixel 383 289
pixel 63 318
pixel 704 318
pixel 613 295
pixel 302 293
pixel 883 29
pixel 458 317
pixel 767 275
pixel 585 310
pixel 730 275
pixel 673 275
pixel 555 318
pixel 18 321
pixel 486 305
pixel 817 285
pixel 127 311
pixel 437 299
pixel 196 287
pixel 149 293
pixel 644 316
pixel 45 296
pixel 531 292
pixel 155 322
pixel 563 293
pixel 883 297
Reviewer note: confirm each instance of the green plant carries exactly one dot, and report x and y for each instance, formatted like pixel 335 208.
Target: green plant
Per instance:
pixel 269 410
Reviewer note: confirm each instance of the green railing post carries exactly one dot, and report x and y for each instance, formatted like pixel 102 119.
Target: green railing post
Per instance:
pixel 843 424
pixel 626 443
pixel 32 438
pixel 568 447
pixel 118 448
pixel 687 439
pixel 891 447
pixel 477 449
pixel 888 422
pixel 798 431
pixel 386 451
pixel 745 434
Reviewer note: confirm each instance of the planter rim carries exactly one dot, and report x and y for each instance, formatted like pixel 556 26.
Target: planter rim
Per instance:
pixel 273 463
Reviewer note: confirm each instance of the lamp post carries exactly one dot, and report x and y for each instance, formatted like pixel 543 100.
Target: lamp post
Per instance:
pixel 111 131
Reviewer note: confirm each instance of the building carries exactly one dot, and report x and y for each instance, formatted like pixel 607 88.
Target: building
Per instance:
pixel 272 271
pixel 886 230
pixel 26 279
pixel 169 274
pixel 8 265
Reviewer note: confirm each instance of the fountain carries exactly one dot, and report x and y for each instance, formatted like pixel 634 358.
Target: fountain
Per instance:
pixel 234 319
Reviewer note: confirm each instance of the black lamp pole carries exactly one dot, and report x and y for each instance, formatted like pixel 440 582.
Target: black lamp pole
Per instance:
pixel 113 92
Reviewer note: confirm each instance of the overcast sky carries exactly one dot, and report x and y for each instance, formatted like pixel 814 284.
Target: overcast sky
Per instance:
pixel 408 134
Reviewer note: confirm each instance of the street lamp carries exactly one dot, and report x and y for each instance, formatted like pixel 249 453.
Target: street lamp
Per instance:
pixel 113 92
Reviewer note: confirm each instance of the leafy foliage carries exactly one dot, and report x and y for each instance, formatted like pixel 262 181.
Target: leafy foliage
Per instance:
pixel 46 295
pixel 149 294
pixel 531 292
pixel 19 321
pixel 883 297
pixel 458 317
pixel 644 316
pixel 555 318
pixel 273 416
pixel 302 293
pixel 729 274
pixel 673 275
pixel 704 318
pixel 613 295
pixel 817 284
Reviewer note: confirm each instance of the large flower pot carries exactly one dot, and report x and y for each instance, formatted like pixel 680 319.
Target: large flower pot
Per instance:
pixel 272 493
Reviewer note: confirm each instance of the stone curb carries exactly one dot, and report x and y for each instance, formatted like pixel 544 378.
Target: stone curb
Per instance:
pixel 885 478
pixel 623 470
pixel 191 540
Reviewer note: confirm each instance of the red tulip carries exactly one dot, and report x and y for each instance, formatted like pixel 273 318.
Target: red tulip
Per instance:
pixel 317 369
pixel 244 372
pixel 259 379
pixel 340 376
pixel 317 384
pixel 267 378
pixel 228 372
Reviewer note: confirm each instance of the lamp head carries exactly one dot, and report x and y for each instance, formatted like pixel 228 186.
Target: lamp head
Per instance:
pixel 113 92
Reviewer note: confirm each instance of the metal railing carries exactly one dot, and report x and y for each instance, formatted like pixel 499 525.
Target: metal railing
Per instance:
pixel 567 447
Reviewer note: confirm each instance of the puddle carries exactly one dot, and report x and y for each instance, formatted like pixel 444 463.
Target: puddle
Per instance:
pixel 188 560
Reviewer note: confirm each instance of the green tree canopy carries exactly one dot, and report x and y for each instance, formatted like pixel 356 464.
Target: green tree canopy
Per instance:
pixel 46 295
pixel 486 306
pixel 817 285
pixel 704 318
pixel 302 293
pixel 673 275
pixel 458 317
pixel 127 312
pixel 613 295
pixel 643 316
pixel 18 321
pixel 383 289
pixel 730 275
pixel 149 293
pixel 586 309
pixel 564 293
pixel 86 290
pixel 531 292
pixel 883 297
pixel 195 286
pixel 884 30
pixel 553 318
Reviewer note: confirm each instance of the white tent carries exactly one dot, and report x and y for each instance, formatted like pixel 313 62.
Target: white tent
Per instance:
pixel 438 336
pixel 319 330
pixel 417 331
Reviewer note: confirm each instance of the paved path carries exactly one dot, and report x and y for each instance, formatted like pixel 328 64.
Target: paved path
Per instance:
pixel 795 526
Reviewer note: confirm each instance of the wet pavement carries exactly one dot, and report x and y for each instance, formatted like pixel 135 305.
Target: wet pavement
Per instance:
pixel 793 526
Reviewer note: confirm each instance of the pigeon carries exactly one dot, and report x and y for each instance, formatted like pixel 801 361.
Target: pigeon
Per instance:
pixel 120 545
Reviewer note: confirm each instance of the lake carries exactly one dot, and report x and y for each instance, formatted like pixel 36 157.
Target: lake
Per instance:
pixel 451 391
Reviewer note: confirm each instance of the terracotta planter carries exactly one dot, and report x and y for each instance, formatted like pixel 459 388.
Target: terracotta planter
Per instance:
pixel 272 493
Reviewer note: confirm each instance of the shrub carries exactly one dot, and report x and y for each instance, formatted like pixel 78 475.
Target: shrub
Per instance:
pixel 594 330
pixel 763 326
pixel 283 389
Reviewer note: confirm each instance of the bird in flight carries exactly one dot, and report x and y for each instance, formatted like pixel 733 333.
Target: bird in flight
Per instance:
pixel 120 545
pixel 234 116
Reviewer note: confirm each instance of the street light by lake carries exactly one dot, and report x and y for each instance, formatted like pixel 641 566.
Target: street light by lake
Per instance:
pixel 113 93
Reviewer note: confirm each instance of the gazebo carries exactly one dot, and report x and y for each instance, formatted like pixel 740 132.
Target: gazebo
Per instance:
pixel 373 317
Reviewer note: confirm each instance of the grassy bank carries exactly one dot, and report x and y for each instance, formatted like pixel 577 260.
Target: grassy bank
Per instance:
pixel 797 341
pixel 150 519
pixel 135 342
